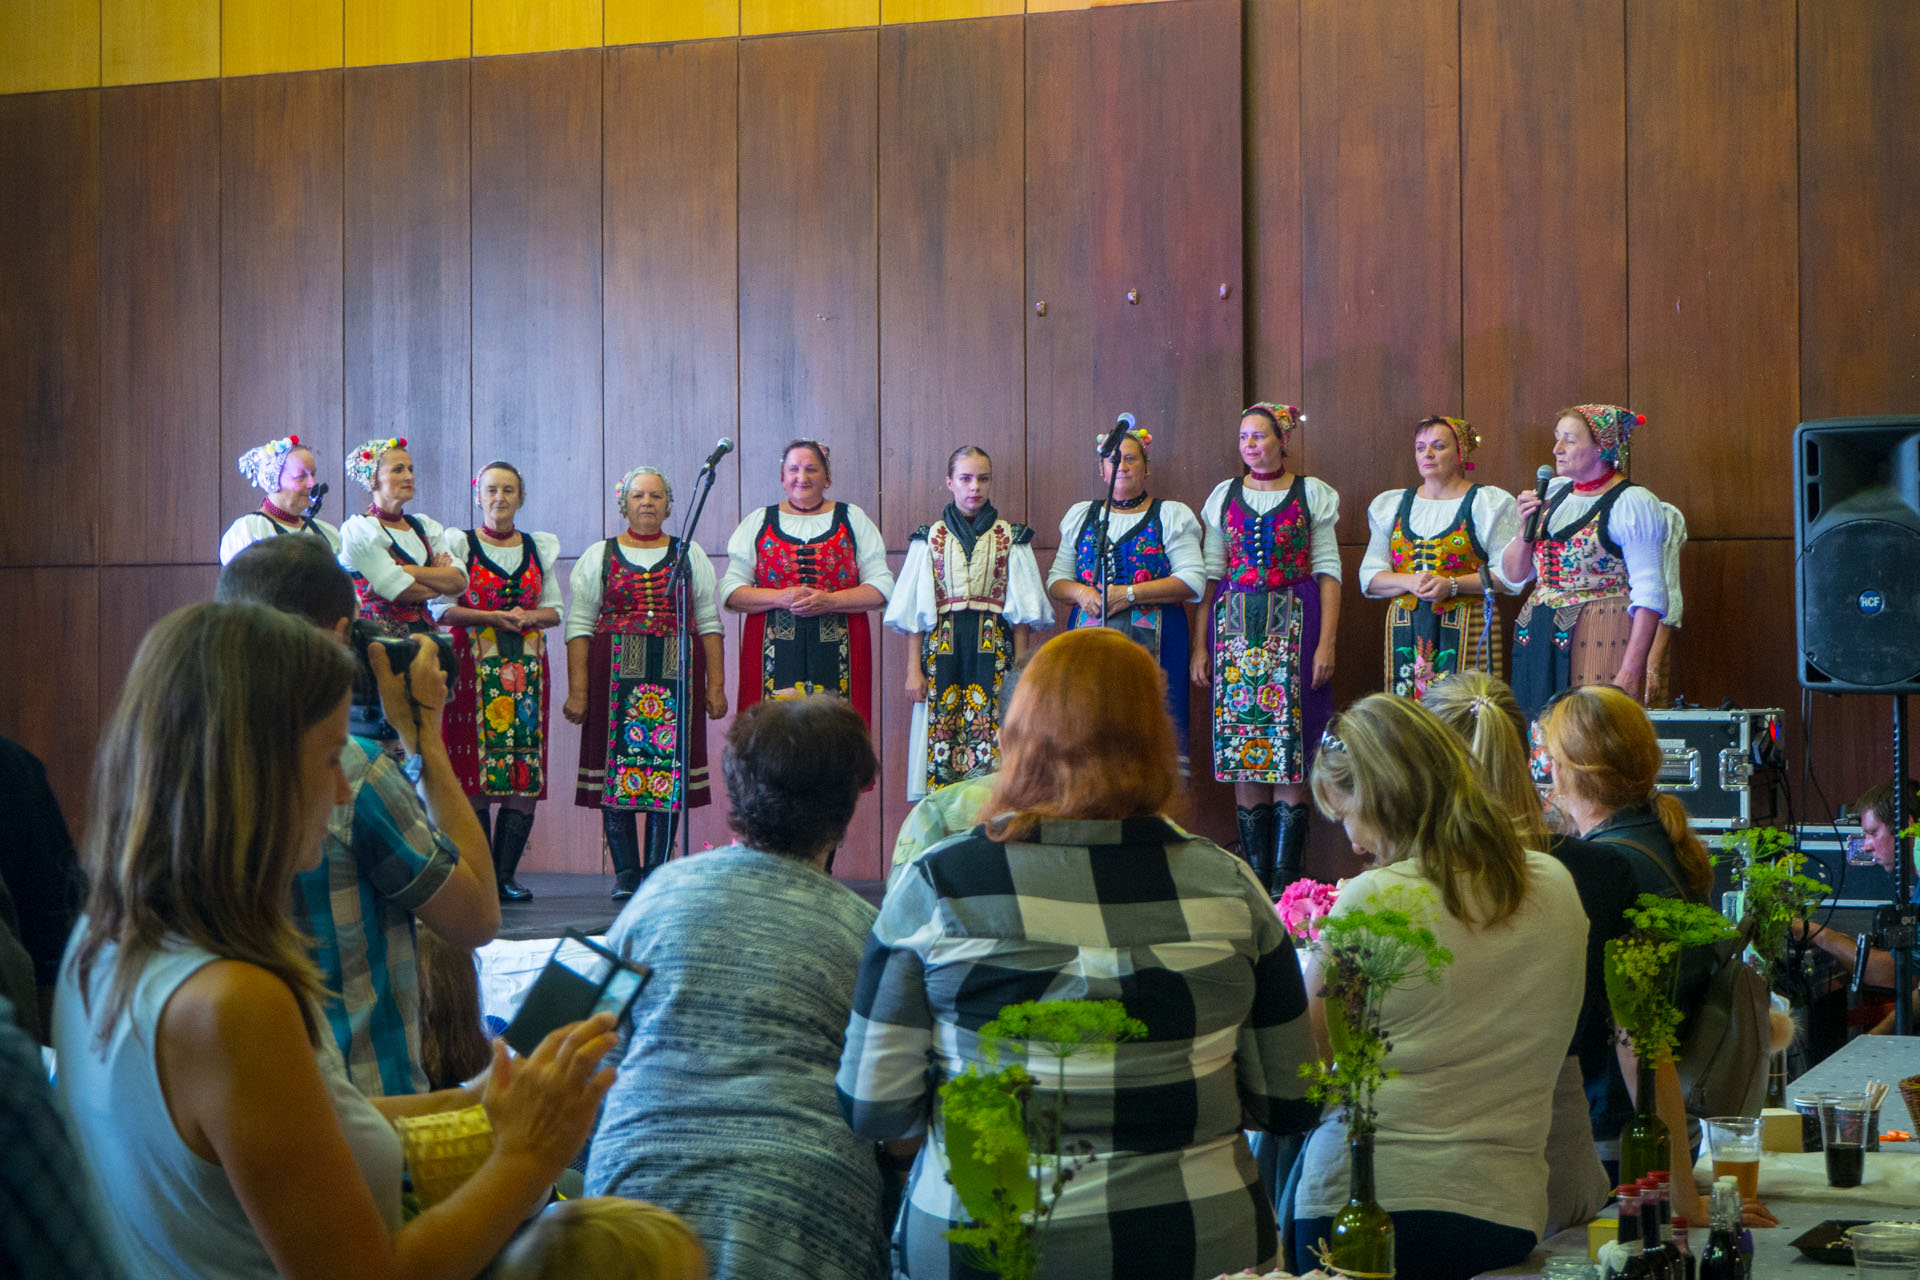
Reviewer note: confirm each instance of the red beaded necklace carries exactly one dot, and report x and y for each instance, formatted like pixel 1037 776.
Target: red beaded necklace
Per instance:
pixel 1594 486
pixel 274 512
pixel 1254 473
pixel 807 511
pixel 487 531
pixel 373 509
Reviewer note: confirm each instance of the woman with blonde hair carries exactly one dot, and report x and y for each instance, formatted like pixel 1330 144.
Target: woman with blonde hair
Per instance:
pixel 1477 1052
pixel 1083 889
pixel 1482 711
pixel 212 1110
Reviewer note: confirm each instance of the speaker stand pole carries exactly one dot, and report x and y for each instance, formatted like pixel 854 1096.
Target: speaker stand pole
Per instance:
pixel 1902 873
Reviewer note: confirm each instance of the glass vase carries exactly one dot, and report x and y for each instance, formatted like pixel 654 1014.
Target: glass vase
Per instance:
pixel 1643 1140
pixel 1360 1243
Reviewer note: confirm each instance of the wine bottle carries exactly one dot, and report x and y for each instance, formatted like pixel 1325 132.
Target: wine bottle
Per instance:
pixel 1360 1239
pixel 1721 1258
pixel 1643 1141
pixel 1689 1268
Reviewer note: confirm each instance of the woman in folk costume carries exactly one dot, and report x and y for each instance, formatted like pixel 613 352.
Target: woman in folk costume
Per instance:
pixel 806 571
pixel 966 596
pixel 1155 568
pixel 1597 555
pixel 397 560
pixel 286 472
pixel 1429 550
pixel 623 658
pixel 1660 656
pixel 495 724
pixel 1274 567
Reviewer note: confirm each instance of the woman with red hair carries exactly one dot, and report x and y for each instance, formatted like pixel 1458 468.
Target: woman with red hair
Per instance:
pixel 1082 888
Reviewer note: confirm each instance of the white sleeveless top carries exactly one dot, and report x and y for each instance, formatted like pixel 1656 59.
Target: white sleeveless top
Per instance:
pixel 169 1212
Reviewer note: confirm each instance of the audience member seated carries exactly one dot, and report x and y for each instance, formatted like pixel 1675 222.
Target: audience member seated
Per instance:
pixel 48 1227
pixel 1461 1130
pixel 1483 712
pixel 211 1108
pixel 1082 888
pixel 604 1236
pixel 724 1112
pixel 387 861
pixel 40 883
pixel 1606 760
pixel 453 1037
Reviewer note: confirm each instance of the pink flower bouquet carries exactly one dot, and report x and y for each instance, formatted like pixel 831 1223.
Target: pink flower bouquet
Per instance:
pixel 1303 905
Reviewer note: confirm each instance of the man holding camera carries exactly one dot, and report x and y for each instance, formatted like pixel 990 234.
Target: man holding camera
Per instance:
pixel 387 861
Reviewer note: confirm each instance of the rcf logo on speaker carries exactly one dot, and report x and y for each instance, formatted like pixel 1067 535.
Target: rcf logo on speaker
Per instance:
pixel 1872 602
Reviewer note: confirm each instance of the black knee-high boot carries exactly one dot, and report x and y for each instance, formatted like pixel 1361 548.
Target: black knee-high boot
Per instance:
pixel 660 829
pixel 1290 845
pixel 623 846
pixel 510 832
pixel 1256 838
pixel 485 814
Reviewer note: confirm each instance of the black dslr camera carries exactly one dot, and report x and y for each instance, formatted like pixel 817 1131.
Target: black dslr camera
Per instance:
pixel 367 719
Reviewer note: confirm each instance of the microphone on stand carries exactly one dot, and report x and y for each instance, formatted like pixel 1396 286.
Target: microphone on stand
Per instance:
pixel 720 450
pixel 1111 445
pixel 1541 478
pixel 313 500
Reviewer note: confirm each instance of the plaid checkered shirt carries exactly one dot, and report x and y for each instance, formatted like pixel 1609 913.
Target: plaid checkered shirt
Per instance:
pixel 1138 911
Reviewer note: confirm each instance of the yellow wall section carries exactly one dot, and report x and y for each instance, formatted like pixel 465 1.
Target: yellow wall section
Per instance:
pixel 49 44
pixel 408 31
pixel 944 10
pixel 143 41
pixel 659 21
pixel 260 36
pixel 530 26
pixel 767 17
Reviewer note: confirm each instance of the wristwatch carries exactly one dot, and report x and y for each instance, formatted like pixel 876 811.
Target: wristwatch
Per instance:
pixel 1129 597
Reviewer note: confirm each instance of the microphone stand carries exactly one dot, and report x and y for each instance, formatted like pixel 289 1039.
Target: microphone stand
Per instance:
pixel 680 591
pixel 1103 570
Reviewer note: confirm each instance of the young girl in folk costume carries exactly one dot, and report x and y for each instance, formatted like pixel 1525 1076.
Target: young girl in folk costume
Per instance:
pixel 966 595
pixel 1592 615
pixel 286 472
pixel 623 658
pixel 496 723
pixel 1274 566
pixel 806 571
pixel 1429 551
pixel 397 560
pixel 1154 568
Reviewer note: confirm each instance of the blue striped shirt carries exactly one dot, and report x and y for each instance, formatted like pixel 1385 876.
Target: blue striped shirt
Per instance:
pixel 383 860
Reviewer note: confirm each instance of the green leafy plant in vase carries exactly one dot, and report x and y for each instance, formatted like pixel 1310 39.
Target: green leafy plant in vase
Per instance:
pixel 1642 972
pixel 1365 954
pixel 1769 874
pixel 1009 1156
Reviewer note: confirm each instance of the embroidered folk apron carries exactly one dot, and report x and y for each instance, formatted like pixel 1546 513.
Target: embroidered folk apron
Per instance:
pixel 496 723
pixel 1425 640
pixel 831 653
pixel 1581 581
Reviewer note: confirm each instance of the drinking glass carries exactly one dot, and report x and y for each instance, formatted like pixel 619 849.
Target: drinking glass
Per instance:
pixel 1843 1132
pixel 1886 1251
pixel 1735 1144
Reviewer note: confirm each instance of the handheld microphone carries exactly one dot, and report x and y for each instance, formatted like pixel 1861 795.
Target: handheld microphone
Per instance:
pixel 313 500
pixel 1111 445
pixel 720 450
pixel 1541 478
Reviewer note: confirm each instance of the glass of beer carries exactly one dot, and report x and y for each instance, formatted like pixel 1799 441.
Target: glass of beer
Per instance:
pixel 1735 1144
pixel 1843 1130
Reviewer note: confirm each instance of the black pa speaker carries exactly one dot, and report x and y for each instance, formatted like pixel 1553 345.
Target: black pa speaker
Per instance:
pixel 1856 524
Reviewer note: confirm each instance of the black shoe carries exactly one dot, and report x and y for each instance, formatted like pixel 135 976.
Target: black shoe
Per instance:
pixel 510 832
pixel 1290 846
pixel 622 831
pixel 660 832
pixel 1256 838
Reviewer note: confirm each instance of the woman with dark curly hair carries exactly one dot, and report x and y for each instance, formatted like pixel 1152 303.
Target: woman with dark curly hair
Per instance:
pixel 727 1115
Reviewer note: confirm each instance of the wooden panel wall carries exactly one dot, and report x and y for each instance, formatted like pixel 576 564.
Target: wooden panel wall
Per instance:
pixel 587 259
